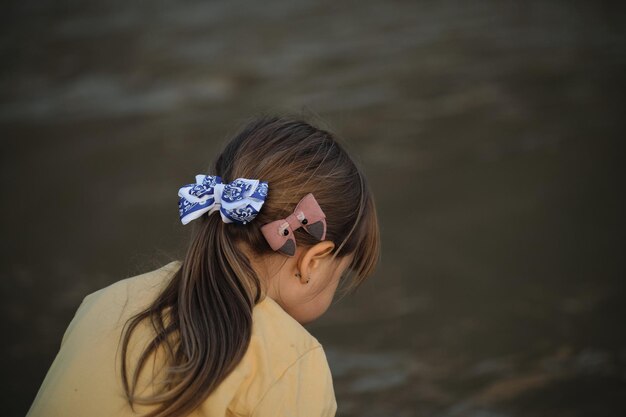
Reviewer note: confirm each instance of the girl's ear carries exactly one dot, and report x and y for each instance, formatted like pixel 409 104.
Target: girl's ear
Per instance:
pixel 309 261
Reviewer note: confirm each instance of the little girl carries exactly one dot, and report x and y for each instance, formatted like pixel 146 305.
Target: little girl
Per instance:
pixel 283 214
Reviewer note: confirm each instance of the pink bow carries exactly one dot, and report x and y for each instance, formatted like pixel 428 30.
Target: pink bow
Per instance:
pixel 307 214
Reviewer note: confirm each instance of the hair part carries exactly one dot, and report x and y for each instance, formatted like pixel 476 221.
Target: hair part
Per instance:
pixel 202 319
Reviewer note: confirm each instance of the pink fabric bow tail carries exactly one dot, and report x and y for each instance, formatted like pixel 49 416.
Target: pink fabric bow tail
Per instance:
pixel 307 214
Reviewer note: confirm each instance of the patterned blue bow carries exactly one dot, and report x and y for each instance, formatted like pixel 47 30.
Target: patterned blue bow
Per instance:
pixel 238 202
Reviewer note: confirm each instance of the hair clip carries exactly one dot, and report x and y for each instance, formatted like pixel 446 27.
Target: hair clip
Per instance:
pixel 238 201
pixel 307 214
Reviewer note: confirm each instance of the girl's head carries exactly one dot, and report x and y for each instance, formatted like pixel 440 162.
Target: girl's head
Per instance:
pixel 229 267
pixel 295 159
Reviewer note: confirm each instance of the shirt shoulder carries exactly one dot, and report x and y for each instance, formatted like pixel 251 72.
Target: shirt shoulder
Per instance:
pixel 142 287
pixel 110 306
pixel 89 348
pixel 284 366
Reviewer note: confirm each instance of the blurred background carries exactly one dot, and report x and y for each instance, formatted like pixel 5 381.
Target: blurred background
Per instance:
pixel 489 130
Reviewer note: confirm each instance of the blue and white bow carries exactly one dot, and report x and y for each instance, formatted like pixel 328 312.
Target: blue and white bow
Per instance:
pixel 238 201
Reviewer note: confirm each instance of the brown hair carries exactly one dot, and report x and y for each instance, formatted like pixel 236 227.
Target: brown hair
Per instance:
pixel 203 317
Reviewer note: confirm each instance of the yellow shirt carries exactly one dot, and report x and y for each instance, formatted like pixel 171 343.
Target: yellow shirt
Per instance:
pixel 284 372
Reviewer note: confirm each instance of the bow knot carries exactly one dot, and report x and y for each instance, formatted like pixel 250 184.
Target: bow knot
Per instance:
pixel 238 201
pixel 307 214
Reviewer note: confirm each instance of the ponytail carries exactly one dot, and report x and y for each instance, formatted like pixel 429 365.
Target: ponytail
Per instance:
pixel 207 306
